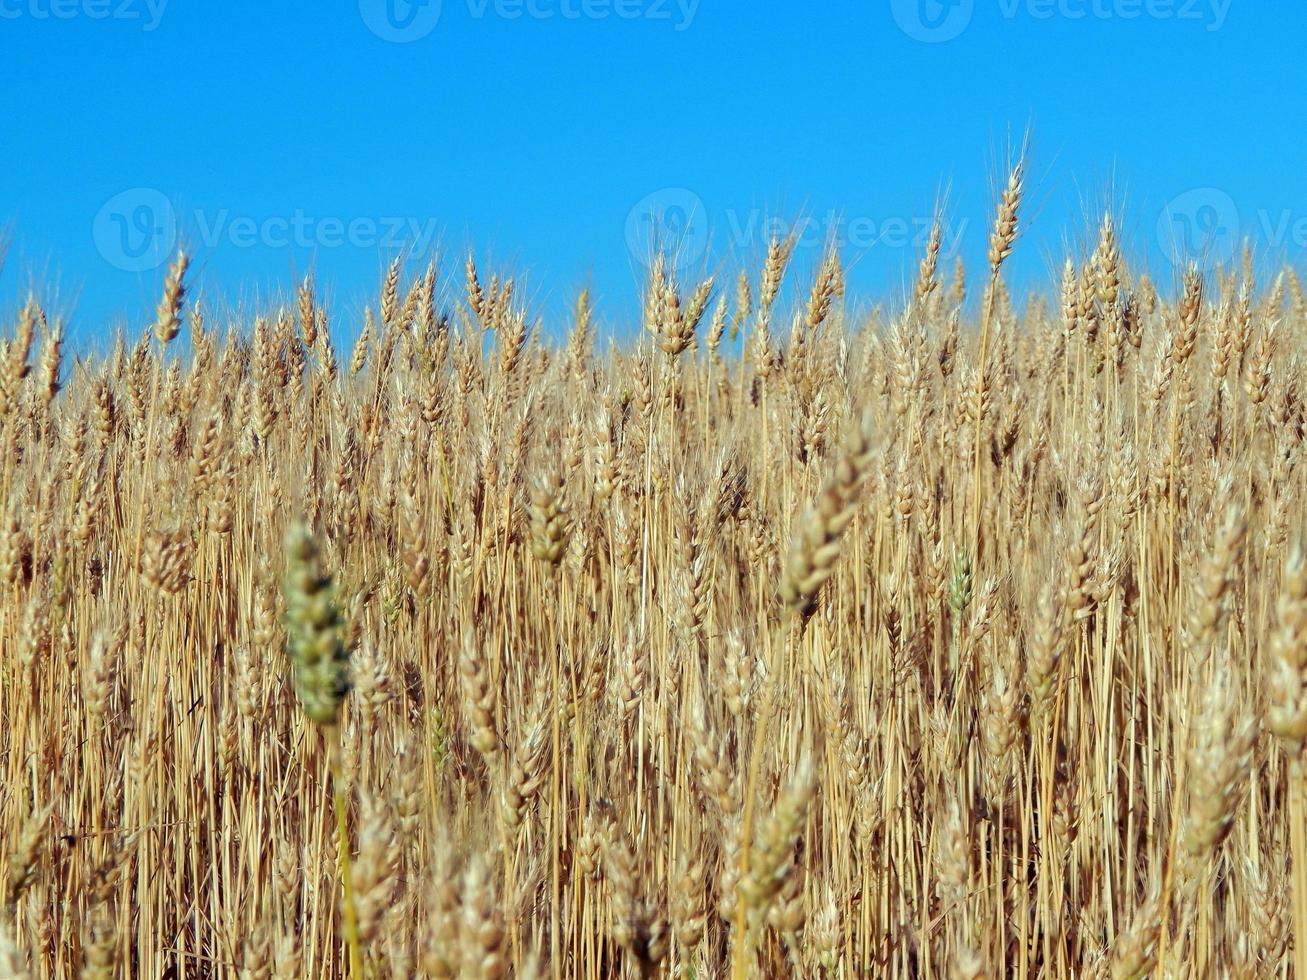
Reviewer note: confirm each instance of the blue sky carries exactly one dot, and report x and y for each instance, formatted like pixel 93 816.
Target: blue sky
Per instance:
pixel 558 136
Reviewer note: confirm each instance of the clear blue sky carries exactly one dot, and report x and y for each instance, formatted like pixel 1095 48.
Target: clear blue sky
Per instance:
pixel 272 136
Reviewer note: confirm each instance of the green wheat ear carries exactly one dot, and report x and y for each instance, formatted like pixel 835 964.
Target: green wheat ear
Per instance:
pixel 318 658
pixel 439 741
pixel 319 662
pixel 959 585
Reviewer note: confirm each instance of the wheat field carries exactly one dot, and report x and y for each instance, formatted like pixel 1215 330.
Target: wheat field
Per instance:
pixel 959 639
